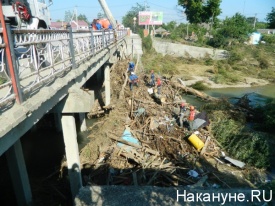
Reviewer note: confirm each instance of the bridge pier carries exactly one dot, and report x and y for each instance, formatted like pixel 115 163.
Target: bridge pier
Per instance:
pixel 107 85
pixel 57 121
pixel 80 102
pixel 72 152
pixel 83 125
pixel 18 172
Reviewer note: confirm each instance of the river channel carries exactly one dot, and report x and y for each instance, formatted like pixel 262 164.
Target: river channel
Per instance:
pixel 257 95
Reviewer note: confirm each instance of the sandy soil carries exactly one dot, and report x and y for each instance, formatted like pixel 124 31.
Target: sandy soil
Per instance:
pixel 191 74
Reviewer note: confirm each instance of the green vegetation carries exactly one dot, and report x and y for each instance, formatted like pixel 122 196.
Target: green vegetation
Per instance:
pixel 241 142
pixel 271 18
pixel 200 11
pixel 199 86
pixel 2 80
pixel 165 65
pixel 266 118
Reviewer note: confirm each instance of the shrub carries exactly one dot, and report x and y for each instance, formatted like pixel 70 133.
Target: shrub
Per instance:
pixel 249 146
pixel 199 86
pixel 263 63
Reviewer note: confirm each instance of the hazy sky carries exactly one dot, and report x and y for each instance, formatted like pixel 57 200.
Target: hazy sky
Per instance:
pixel 119 8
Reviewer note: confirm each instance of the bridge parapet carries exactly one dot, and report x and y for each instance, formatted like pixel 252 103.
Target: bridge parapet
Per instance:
pixel 41 56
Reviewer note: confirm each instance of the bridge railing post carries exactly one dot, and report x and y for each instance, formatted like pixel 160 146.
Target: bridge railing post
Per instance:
pixel 13 67
pixel 109 37
pixel 103 38
pixel 92 40
pixel 71 46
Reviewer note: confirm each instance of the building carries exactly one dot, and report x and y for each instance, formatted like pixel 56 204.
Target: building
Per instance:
pixel 79 25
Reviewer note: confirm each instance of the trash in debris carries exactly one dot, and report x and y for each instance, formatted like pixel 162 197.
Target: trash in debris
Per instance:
pixel 150 91
pixel 235 162
pixel 139 112
pixel 193 173
pixel 127 136
pixel 196 142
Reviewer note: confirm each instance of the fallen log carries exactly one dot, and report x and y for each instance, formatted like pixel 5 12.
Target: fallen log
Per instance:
pixel 192 91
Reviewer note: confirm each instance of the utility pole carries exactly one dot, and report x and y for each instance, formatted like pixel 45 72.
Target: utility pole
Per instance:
pixel 254 25
pixel 108 13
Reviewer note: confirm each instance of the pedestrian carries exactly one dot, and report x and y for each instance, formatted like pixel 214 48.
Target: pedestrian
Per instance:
pixel 182 113
pixel 131 67
pixel 159 85
pixel 133 80
pixel 152 83
pixel 191 117
pixel 98 25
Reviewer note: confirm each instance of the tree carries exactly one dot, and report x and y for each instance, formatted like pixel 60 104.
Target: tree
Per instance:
pixel 68 16
pixel 199 12
pixel 83 17
pixel 234 28
pixel 101 15
pixel 127 20
pixel 270 18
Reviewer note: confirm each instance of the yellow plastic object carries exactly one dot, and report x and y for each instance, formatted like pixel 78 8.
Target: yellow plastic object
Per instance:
pixel 196 142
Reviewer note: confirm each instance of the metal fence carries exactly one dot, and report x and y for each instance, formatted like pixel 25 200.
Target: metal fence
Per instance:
pixel 40 56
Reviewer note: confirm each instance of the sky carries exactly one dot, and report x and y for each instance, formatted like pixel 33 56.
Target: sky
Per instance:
pixel 119 8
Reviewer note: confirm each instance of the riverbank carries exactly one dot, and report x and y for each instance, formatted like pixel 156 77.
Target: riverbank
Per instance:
pixel 247 82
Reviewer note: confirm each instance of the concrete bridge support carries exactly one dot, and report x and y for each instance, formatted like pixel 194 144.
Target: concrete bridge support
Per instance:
pixel 57 121
pixel 78 101
pixel 83 125
pixel 107 84
pixel 18 172
pixel 72 152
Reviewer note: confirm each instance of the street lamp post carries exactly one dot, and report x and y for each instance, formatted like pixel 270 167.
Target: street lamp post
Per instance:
pixel 135 19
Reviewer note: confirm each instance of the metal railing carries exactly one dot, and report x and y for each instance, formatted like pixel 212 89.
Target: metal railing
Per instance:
pixel 41 56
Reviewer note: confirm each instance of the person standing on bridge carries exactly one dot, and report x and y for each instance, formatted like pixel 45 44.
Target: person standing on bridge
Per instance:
pixel 98 25
pixel 133 80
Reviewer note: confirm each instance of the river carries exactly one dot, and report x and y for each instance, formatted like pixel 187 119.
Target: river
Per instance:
pixel 257 95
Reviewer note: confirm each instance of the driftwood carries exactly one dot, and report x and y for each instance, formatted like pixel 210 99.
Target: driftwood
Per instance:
pixel 192 91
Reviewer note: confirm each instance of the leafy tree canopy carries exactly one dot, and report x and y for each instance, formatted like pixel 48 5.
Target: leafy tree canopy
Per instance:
pixel 83 17
pixel 236 27
pixel 127 20
pixel 69 15
pixel 271 19
pixel 101 15
pixel 200 11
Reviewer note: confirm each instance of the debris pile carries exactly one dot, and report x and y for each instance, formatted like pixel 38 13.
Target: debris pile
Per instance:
pixel 140 142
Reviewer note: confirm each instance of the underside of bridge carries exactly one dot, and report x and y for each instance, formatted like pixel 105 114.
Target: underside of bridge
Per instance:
pixel 65 97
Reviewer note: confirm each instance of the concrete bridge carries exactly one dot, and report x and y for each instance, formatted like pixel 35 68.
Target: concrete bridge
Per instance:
pixel 42 71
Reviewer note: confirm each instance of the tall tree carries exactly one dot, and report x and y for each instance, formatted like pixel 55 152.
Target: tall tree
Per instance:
pixel 83 17
pixel 236 27
pixel 101 15
pixel 271 19
pixel 68 16
pixel 201 11
pixel 127 20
